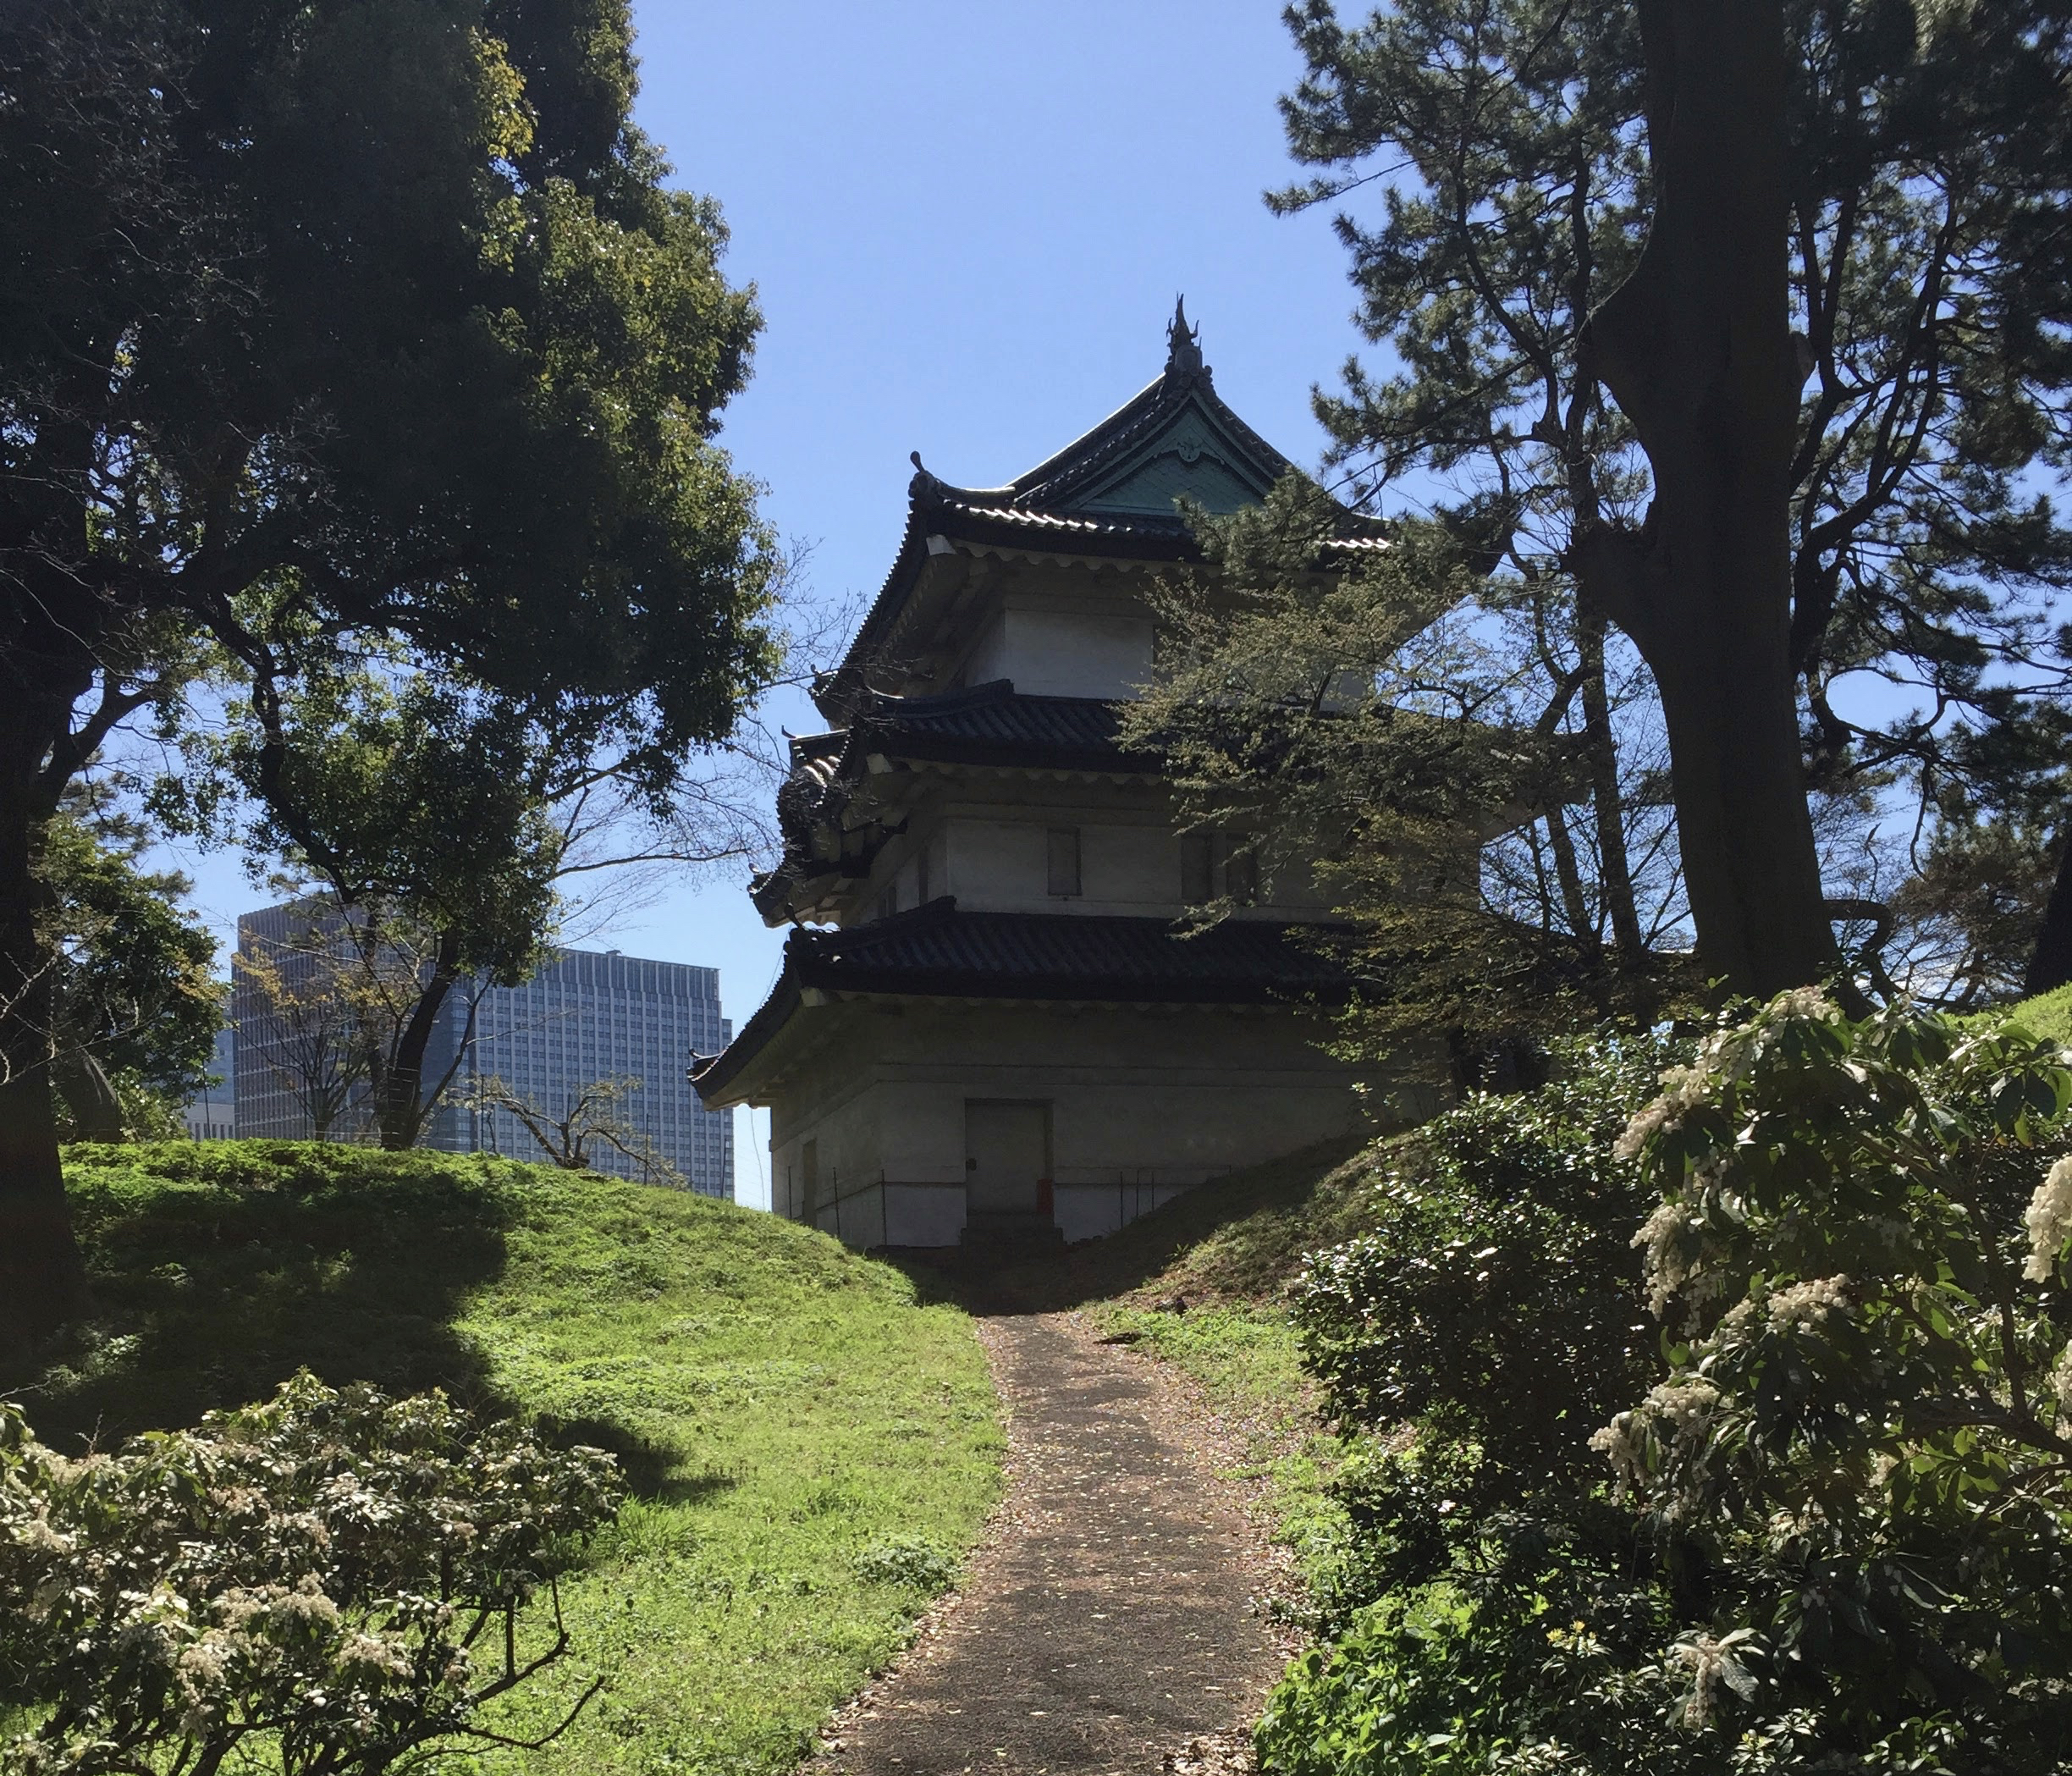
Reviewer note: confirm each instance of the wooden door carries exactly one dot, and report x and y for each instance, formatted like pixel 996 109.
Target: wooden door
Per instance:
pixel 1006 1156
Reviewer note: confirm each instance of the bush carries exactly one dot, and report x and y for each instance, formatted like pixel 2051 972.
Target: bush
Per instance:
pixel 327 1581
pixel 1836 1533
pixel 1488 1589
pixel 1867 1436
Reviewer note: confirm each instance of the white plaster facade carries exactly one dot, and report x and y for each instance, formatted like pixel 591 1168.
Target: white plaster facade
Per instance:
pixel 1017 1000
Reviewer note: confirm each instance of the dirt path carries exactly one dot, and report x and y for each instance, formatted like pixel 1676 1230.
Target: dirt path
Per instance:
pixel 1107 1623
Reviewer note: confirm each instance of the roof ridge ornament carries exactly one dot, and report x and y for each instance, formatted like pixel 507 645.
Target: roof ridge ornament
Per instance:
pixel 1183 353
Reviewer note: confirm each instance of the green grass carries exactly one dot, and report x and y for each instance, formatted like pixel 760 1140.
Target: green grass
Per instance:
pixel 810 1444
pixel 2048 1015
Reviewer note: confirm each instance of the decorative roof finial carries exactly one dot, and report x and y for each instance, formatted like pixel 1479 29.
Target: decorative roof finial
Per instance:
pixel 1183 354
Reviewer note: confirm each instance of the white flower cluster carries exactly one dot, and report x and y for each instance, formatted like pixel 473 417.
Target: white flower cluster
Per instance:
pixel 1663 1264
pixel 1683 1089
pixel 1620 1444
pixel 1679 1412
pixel 1808 1004
pixel 2049 1221
pixel 1686 1404
pixel 1803 1306
pixel 1705 1659
pixel 1723 1059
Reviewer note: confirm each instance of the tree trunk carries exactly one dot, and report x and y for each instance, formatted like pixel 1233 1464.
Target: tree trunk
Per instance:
pixel 83 1082
pixel 400 1107
pixel 1696 349
pixel 2050 964
pixel 42 1276
pixel 1607 804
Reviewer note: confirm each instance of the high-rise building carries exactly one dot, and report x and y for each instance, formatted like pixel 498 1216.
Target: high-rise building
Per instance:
pixel 583 1019
pixel 586 1017
pixel 211 1115
pixel 293 1069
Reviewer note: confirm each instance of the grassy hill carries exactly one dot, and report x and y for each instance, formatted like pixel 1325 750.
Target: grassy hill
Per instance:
pixel 2048 1014
pixel 810 1444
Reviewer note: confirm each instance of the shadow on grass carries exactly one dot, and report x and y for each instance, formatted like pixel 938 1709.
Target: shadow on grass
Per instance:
pixel 219 1269
pixel 652 1470
pixel 1239 1236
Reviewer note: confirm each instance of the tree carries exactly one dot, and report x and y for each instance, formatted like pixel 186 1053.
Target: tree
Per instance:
pixel 328 333
pixel 425 814
pixel 1360 716
pixel 587 1117
pixel 133 1006
pixel 1361 722
pixel 298 1020
pixel 1891 182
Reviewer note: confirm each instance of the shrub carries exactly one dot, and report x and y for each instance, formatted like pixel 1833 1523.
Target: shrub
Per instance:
pixel 1868 1435
pixel 1489 1591
pixel 327 1582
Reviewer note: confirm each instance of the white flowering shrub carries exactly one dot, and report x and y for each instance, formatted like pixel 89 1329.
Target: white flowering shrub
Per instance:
pixel 1863 1442
pixel 325 1582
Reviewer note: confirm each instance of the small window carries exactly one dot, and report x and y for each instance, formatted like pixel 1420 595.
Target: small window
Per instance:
pixel 1197 868
pixel 1240 876
pixel 888 902
pixel 1064 860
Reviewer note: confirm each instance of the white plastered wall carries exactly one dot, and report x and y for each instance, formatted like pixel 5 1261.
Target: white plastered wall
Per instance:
pixel 1143 1104
pixel 1051 653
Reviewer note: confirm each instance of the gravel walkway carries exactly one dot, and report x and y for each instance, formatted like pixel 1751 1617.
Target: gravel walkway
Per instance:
pixel 1107 1623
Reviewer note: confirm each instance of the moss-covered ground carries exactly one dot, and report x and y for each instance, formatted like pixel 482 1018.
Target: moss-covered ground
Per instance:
pixel 810 1442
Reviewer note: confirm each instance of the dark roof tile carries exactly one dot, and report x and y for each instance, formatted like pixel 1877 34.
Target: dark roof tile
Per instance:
pixel 937 951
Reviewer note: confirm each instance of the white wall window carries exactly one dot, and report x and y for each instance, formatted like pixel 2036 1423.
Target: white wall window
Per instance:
pixel 1064 860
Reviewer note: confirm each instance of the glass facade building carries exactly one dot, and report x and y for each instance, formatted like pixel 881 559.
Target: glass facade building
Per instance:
pixel 587 1016
pixel 584 1018
pixel 212 1114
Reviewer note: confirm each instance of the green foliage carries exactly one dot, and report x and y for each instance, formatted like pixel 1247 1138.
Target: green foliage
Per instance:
pixel 1484 1593
pixel 778 1404
pixel 347 336
pixel 1360 731
pixel 1490 167
pixel 1865 1436
pixel 1494 1290
pixel 134 985
pixel 302 1584
pixel 1835 1534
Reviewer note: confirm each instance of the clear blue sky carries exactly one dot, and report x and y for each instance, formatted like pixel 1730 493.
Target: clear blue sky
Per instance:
pixel 966 224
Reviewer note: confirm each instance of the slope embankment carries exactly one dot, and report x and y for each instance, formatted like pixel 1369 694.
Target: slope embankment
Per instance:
pixel 811 1445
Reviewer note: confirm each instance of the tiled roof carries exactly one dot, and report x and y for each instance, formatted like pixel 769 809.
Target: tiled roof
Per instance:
pixel 937 951
pixel 985 725
pixel 1057 506
pixel 989 724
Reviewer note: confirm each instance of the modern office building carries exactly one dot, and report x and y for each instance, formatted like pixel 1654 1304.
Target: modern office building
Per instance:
pixel 292 1066
pixel 585 1017
pixel 211 1115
